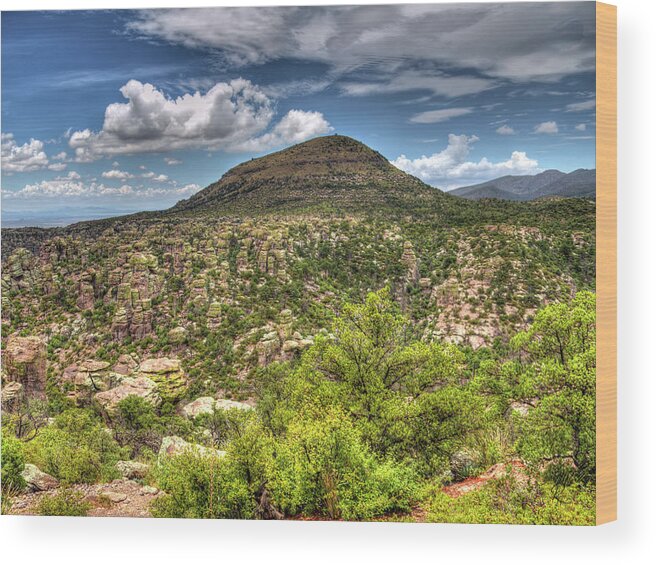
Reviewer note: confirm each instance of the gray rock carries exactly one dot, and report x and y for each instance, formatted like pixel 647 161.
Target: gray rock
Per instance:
pixel 113 496
pixel 207 404
pixel 37 480
pixel 174 445
pixel 132 469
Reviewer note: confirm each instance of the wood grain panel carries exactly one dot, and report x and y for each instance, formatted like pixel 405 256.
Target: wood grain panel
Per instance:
pixel 606 263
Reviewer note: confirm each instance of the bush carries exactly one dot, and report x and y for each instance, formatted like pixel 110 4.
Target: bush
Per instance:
pixel 323 467
pixel 67 502
pixel 76 449
pixel 508 501
pixel 13 463
pixel 205 486
pixel 195 487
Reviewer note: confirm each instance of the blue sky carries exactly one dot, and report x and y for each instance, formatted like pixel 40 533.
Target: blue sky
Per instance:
pixel 107 112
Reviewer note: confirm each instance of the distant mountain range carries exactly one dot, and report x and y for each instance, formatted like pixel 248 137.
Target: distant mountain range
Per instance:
pixel 580 183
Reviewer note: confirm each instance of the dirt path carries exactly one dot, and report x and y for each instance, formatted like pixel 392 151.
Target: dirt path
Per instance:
pixel 120 498
pixel 497 471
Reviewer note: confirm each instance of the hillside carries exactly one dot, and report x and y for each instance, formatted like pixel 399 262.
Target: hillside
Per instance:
pixel 335 170
pixel 276 274
pixel 577 184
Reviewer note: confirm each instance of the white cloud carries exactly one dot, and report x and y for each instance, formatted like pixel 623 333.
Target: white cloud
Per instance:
pixel 154 176
pixel 296 126
pixel 57 167
pixel 580 127
pixel 172 161
pixel 228 116
pixel 62 156
pixel 505 130
pixel 581 106
pixel 546 127
pixel 517 46
pixel 116 174
pixel 438 83
pixel 450 168
pixel 71 186
pixel 22 158
pixel 435 116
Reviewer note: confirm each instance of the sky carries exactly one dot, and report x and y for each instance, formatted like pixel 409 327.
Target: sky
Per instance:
pixel 110 112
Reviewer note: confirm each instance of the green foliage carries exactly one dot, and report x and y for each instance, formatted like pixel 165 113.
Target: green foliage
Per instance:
pixel 66 502
pixel 76 449
pixel 403 396
pixel 509 501
pixel 557 375
pixel 13 463
pixel 323 467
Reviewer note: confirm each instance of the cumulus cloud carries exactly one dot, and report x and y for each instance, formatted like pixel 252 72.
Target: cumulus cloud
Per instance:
pixel 546 127
pixel 505 130
pixel 517 46
pixel 435 116
pixel 580 127
pixel 154 176
pixel 116 175
pixel 22 158
pixel 581 106
pixel 451 168
pixel 72 186
pixel 172 161
pixel 228 116
pixel 294 127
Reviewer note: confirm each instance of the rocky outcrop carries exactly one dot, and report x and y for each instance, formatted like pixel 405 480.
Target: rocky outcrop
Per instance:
pixel 141 386
pixel 207 404
pixel 11 394
pixel 125 365
pixel 174 445
pixel 168 375
pixel 177 336
pixel 36 480
pixel 25 363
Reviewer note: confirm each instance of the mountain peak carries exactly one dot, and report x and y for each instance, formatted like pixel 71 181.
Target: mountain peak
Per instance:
pixel 333 169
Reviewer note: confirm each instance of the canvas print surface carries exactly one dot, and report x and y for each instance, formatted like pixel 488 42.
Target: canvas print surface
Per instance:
pixel 305 263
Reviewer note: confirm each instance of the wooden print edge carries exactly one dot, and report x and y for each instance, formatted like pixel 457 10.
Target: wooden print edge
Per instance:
pixel 606 236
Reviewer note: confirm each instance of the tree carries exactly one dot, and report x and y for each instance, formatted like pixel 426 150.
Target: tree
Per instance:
pixel 558 372
pixel 407 398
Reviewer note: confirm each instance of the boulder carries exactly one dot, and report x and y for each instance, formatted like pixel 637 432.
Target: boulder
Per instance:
pixel 25 363
pixel 136 386
pixel 37 480
pixel 174 445
pixel 132 469
pixel 89 376
pixel 167 374
pixel 125 365
pixel 11 392
pixel 225 404
pixel 207 404
pixel 177 335
pixel 113 496
pixel 202 405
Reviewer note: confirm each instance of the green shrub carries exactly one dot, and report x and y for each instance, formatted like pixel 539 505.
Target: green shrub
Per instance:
pixel 13 463
pixel 508 501
pixel 66 502
pixel 323 467
pixel 76 449
pixel 192 482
